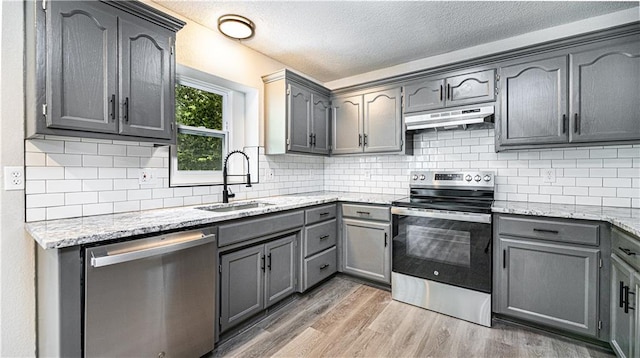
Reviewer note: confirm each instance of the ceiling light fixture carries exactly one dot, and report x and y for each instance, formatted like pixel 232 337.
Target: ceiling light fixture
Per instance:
pixel 236 26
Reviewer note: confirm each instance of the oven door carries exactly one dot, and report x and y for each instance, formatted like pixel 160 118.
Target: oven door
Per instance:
pixel 449 247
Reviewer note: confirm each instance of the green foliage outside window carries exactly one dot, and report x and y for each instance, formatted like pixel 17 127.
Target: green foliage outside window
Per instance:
pixel 198 108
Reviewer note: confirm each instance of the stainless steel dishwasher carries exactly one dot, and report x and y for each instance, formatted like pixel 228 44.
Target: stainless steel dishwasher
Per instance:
pixel 153 297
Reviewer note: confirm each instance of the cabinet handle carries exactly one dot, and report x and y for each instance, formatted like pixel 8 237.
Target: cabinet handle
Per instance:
pixel 547 231
pixel 564 123
pixel 359 140
pixel 113 107
pixel 386 236
pixel 441 93
pixel 269 264
pixel 324 214
pixel 126 110
pixel 627 251
pixel 324 266
pixel 626 299
pixel 314 140
pixel 621 295
pixel 504 259
pixel 448 91
pixel 324 237
pixel 262 265
pixel 576 123
pixel 311 140
pixel 365 139
pixel 363 212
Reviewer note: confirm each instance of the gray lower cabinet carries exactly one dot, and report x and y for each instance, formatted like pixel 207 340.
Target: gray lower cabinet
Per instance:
pixel 297 114
pixel 255 278
pixel 553 272
pixel 366 249
pixel 369 122
pixel 580 96
pixel 450 91
pixel 625 292
pixel 319 253
pixel 101 69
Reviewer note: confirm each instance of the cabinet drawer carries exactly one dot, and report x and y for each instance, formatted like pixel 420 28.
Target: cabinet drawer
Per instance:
pixel 319 267
pixel 320 213
pixel 626 247
pixel 366 212
pixel 249 229
pixel 319 237
pixel 549 229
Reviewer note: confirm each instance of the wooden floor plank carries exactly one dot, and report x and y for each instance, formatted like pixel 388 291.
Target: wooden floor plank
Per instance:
pixel 343 318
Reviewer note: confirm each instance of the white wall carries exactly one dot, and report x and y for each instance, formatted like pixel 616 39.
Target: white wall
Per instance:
pixel 608 176
pixel 17 287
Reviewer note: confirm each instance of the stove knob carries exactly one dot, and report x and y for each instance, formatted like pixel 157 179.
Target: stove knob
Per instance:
pixel 468 177
pixel 487 177
pixel 477 178
pixel 415 177
pixel 422 177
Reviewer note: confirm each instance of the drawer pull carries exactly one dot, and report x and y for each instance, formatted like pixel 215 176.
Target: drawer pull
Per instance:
pixel 324 266
pixel 547 231
pixel 627 251
pixel 363 212
pixel 324 214
pixel 324 237
pixel 621 294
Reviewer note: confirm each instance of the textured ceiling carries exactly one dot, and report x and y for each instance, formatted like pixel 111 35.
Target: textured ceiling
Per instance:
pixel 329 40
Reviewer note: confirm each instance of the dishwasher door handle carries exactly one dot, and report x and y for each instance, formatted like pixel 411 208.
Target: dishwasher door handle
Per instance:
pixel 172 246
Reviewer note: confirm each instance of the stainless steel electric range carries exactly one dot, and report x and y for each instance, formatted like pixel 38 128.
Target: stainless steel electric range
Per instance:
pixel 442 244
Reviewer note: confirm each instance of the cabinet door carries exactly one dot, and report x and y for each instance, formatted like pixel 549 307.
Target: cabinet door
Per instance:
pixel 383 121
pixel 298 107
pixel 635 324
pixel 320 119
pixel 424 95
pixel 471 88
pixel 605 84
pixel 146 88
pixel 534 102
pixel 241 285
pixel 346 125
pixel 81 66
pixel 367 250
pixel 281 269
pixel 621 321
pixel 551 284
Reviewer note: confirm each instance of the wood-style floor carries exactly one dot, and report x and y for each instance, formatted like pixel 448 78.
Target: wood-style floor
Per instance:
pixel 343 318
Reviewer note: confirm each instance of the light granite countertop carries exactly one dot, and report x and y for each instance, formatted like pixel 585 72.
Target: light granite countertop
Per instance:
pixel 70 232
pixel 625 218
pixel 61 233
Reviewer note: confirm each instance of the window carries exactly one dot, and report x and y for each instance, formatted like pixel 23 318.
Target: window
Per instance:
pixel 202 118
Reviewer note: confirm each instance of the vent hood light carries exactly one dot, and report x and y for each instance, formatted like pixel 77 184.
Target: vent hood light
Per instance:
pixel 236 27
pixel 450 119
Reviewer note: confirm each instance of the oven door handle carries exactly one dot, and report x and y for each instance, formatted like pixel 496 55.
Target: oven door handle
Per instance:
pixel 456 216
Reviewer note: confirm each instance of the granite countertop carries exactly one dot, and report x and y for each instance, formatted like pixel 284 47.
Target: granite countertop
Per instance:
pixel 61 233
pixel 625 218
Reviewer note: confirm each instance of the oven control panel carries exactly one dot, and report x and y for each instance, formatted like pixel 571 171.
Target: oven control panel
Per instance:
pixel 484 179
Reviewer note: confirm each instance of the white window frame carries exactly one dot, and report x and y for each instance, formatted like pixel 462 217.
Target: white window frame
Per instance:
pixel 202 177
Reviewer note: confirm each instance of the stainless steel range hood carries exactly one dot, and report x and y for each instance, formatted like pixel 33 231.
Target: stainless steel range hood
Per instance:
pixel 450 119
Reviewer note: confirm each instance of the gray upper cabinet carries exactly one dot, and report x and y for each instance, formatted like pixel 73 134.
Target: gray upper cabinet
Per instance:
pixel 534 102
pixel 101 70
pixel 146 84
pixel 368 123
pixel 440 92
pixel 586 95
pixel 81 66
pixel 383 121
pixel 424 95
pixel 297 115
pixel 347 124
pixel 605 84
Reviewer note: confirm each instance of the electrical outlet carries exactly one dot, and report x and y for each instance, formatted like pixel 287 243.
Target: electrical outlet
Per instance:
pixel 147 177
pixel 270 174
pixel 13 178
pixel 548 175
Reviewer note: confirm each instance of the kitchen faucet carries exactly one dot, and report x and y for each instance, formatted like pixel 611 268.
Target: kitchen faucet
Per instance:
pixel 225 191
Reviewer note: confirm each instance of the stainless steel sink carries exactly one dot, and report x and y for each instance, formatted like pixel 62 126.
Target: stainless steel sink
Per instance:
pixel 223 208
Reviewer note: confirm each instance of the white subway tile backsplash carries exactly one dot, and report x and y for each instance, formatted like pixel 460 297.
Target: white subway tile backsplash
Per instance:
pixel 111 149
pixel 125 206
pixel 35 159
pixel 112 173
pixel 35 187
pixel 44 173
pixel 625 202
pixel 133 151
pixel 44 146
pixel 97 209
pixel 44 200
pixel 81 198
pixel 37 214
pixel 602 192
pixel 123 184
pixel 97 161
pixel 80 148
pixel 150 204
pixel 63 160
pixel 97 184
pixel 80 173
pixel 61 212
pixel 112 196
pixel 63 186
pixel 617 182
